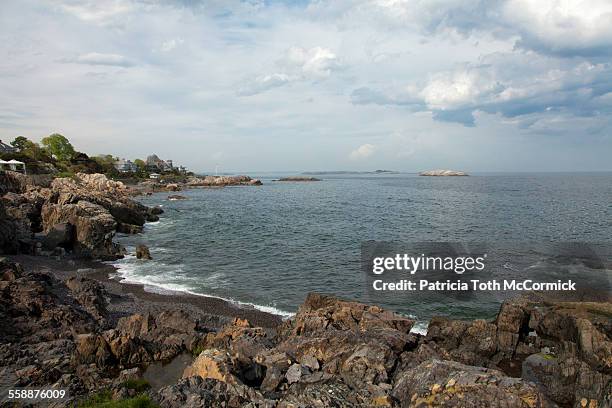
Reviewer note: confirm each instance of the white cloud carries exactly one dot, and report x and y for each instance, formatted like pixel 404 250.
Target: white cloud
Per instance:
pixel 169 45
pixel 95 58
pixel 296 64
pixel 316 62
pixel 363 152
pixel 96 11
pixel 565 26
pixel 263 83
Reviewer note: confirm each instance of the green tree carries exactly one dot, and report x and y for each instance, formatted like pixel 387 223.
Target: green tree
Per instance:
pixel 58 146
pixel 22 143
pixel 142 166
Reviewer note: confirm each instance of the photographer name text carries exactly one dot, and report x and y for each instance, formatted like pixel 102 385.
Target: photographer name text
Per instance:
pixel 473 285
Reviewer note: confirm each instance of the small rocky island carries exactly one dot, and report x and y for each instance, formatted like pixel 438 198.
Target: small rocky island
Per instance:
pixel 298 178
pixel 442 173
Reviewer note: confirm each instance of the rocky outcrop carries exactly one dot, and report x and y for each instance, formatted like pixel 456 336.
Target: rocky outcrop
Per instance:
pixel 175 197
pixel 450 384
pixel 334 352
pixel 94 228
pixel 442 173
pixel 221 181
pixel 142 252
pixel 79 215
pixel 299 178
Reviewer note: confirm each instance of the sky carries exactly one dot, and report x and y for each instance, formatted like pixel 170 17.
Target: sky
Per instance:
pixel 253 86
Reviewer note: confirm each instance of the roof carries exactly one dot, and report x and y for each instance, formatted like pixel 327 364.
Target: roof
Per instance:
pixel 6 148
pixel 11 162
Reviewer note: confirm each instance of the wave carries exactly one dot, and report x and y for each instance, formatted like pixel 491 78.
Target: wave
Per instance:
pixel 127 273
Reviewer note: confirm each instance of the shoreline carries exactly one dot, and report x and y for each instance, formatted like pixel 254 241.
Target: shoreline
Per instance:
pixel 130 298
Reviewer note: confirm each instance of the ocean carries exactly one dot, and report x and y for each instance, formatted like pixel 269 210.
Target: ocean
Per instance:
pixel 268 246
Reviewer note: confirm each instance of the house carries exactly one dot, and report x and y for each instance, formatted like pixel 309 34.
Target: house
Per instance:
pixel 154 163
pixel 125 166
pixel 13 165
pixel 154 176
pixel 4 148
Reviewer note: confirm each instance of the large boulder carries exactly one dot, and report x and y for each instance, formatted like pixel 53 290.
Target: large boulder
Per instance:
pixel 212 363
pixel 451 384
pixel 96 188
pixel 94 227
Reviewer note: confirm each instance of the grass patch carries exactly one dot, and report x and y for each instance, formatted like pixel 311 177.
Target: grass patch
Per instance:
pixel 197 350
pixel 138 385
pixel 104 400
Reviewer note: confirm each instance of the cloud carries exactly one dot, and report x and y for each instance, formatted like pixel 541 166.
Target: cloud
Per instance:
pixel 316 62
pixel 169 45
pixel 296 64
pixel 512 84
pixel 362 152
pixel 95 58
pixel 329 76
pixel 96 11
pixel 263 83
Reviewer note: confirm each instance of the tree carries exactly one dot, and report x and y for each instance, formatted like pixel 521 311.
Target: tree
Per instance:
pixel 22 143
pixel 142 166
pixel 58 146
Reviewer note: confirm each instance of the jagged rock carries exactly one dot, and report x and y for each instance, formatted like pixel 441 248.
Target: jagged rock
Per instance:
pixel 142 252
pixel 212 363
pixel 97 189
pixel 94 227
pixel 450 384
pixel 295 373
pixel 129 228
pixel 90 294
pixel 196 392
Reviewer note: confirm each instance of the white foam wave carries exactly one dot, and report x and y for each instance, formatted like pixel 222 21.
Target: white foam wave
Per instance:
pixel 420 328
pixel 127 273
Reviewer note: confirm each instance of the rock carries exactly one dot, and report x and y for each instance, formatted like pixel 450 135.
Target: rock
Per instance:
pixel 299 178
pixel 173 187
pixel 175 197
pixel 129 228
pixel 142 252
pixel 94 227
pixel 295 373
pixel 90 294
pixel 196 392
pixel 442 173
pixel 450 384
pixel 129 374
pixel 212 363
pixel 220 181
pixel 60 235
pixel 156 211
pixel 310 361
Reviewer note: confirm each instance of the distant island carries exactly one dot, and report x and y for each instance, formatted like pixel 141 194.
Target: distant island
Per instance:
pixel 442 173
pixel 349 172
pixel 298 178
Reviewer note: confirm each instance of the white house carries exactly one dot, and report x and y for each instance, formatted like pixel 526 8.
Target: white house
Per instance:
pixel 125 166
pixel 13 165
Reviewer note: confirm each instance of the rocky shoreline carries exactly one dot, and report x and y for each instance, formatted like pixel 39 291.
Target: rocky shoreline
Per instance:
pixel 333 353
pixel 64 323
